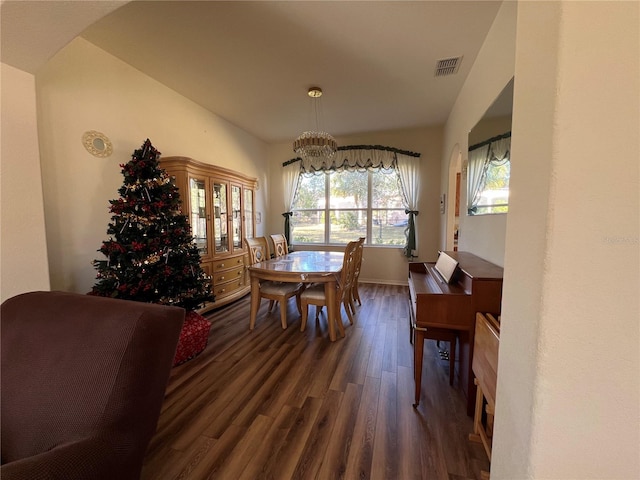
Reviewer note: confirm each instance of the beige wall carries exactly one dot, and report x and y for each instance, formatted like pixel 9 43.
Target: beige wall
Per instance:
pixel 22 238
pixel 381 264
pixel 568 403
pixel 483 235
pixel 488 128
pixel 84 88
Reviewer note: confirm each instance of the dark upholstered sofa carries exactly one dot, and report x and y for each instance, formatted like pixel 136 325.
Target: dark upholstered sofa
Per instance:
pixel 82 383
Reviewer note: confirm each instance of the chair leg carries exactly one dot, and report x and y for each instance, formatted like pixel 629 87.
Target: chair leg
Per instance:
pixel 271 304
pixel 339 320
pixel 356 294
pixel 304 314
pixel 283 315
pixel 347 308
pixel 352 305
pixel 298 304
pixel 318 312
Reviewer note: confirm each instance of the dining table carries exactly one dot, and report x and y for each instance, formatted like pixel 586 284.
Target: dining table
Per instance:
pixel 301 266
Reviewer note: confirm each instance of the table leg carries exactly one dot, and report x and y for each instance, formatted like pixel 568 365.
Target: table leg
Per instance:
pixel 255 300
pixel 330 296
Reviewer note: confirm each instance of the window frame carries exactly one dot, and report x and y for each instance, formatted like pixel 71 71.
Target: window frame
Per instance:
pixel 369 210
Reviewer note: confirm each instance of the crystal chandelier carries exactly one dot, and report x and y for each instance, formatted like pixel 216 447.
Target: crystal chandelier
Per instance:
pixel 315 144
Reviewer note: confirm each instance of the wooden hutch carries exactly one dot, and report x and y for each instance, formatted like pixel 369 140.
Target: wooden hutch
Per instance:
pixel 220 205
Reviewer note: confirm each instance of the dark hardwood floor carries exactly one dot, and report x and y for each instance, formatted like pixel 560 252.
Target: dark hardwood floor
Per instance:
pixel 285 404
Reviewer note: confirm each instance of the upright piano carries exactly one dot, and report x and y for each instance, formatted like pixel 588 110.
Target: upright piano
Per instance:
pixel 442 310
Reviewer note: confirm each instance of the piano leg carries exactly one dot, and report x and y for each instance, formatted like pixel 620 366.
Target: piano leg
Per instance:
pixel 411 331
pixel 452 357
pixel 438 334
pixel 418 352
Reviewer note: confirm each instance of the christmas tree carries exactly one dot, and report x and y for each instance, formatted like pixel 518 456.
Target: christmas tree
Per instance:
pixel 150 255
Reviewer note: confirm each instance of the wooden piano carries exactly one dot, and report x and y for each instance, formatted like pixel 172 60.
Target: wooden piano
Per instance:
pixel 446 311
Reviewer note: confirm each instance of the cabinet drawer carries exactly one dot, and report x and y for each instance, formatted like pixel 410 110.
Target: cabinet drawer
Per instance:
pixel 236 273
pixel 206 268
pixel 228 263
pixel 227 288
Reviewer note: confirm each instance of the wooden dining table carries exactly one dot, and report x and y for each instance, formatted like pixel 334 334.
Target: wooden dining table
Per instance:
pixel 300 266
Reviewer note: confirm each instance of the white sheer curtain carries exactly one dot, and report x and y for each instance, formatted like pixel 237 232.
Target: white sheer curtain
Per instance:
pixel 476 174
pixel 408 169
pixel 290 182
pixel 495 152
pixel 500 150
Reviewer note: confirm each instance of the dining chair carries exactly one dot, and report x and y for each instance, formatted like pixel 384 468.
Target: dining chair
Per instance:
pixel 315 295
pixel 280 246
pixel 355 295
pixel 273 291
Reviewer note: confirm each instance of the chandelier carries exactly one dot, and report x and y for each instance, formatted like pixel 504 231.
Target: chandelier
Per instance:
pixel 315 144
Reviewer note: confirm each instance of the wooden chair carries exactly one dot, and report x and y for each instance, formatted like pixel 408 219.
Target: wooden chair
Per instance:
pixel 314 295
pixel 280 246
pixel 355 295
pixel 273 291
pixel 485 370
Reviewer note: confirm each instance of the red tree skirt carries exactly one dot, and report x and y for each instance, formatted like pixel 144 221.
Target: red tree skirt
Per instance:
pixel 193 337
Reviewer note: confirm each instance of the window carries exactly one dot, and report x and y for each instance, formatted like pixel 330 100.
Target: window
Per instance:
pixel 488 176
pixel 494 196
pixel 362 190
pixel 336 207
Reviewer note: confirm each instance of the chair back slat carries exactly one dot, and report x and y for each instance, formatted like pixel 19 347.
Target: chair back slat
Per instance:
pixel 358 260
pixel 280 246
pixel 348 269
pixel 258 248
pixel 355 295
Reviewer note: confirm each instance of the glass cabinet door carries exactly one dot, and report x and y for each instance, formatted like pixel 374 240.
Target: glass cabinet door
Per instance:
pixel 248 212
pixel 198 214
pixel 236 224
pixel 220 218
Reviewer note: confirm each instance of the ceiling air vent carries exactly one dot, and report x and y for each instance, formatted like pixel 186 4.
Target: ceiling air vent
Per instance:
pixel 448 66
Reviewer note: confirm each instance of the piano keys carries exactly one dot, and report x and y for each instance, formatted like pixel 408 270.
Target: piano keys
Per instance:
pixel 446 311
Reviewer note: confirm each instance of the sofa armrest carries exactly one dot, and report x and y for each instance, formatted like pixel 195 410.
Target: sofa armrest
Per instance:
pixel 91 458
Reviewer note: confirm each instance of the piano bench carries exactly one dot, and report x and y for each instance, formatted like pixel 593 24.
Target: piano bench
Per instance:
pixel 418 335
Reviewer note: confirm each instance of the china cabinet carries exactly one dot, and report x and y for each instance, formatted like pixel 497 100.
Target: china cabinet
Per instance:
pixel 220 205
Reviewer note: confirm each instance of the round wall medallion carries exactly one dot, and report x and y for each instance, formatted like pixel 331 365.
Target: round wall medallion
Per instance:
pixel 97 144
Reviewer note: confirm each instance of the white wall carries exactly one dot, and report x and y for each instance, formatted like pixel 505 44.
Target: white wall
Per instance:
pixel 381 264
pixel 84 88
pixel 22 239
pixel 483 235
pixel 568 402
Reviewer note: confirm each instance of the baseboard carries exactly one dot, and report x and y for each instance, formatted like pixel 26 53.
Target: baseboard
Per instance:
pixel 383 282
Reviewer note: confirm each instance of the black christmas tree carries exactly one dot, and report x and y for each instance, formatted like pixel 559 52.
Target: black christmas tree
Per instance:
pixel 150 255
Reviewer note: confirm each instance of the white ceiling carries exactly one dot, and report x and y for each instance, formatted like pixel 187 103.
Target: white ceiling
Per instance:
pixel 252 62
